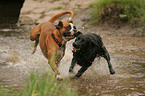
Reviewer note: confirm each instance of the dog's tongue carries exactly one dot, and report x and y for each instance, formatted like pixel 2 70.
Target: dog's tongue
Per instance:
pixel 70 37
pixel 75 49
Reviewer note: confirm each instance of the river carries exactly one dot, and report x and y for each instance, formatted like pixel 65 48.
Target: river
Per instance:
pixel 127 57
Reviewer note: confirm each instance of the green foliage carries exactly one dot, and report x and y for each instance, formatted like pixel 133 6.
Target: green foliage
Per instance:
pixel 44 85
pixel 133 9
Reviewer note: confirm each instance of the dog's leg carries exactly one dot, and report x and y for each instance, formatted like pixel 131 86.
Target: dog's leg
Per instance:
pixel 107 57
pixel 73 63
pixel 34 47
pixel 52 63
pixel 35 44
pixel 80 72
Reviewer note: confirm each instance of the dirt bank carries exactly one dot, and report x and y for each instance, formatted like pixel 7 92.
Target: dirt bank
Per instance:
pixel 36 11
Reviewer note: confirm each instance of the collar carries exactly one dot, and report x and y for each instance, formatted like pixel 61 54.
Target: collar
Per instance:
pixel 57 42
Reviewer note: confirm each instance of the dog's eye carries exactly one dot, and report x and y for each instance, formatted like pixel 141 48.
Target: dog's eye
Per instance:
pixel 68 27
pixel 75 27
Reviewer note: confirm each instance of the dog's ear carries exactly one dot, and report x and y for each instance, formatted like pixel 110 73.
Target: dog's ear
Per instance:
pixel 60 25
pixel 78 33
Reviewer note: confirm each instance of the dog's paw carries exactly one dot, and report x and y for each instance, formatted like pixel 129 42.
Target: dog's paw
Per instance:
pixel 33 50
pixel 71 71
pixel 59 77
pixel 73 78
pixel 112 72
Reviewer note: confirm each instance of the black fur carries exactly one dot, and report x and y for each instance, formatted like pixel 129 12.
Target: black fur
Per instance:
pixel 86 48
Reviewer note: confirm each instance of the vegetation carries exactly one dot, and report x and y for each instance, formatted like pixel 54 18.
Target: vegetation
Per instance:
pixel 57 8
pixel 133 10
pixel 44 85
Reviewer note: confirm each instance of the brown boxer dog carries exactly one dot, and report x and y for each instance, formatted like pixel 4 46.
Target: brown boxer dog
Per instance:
pixel 52 39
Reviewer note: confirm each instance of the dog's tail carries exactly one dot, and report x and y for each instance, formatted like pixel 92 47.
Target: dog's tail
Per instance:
pixel 52 20
pixel 34 35
pixel 37 29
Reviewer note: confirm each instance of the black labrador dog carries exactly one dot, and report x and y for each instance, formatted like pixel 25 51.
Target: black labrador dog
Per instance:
pixel 86 48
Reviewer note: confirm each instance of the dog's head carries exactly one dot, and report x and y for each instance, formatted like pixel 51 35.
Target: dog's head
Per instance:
pixel 82 42
pixel 67 30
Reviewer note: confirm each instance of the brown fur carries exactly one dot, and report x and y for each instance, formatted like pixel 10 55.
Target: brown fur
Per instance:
pixel 48 46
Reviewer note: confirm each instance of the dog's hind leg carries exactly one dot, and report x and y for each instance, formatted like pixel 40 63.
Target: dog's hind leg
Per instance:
pixel 107 57
pixel 34 47
pixel 73 63
pixel 35 44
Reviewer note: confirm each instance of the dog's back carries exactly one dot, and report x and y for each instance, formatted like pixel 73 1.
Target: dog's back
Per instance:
pixel 96 39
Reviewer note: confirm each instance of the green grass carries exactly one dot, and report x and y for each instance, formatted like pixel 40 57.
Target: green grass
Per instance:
pixel 133 9
pixel 57 8
pixel 44 85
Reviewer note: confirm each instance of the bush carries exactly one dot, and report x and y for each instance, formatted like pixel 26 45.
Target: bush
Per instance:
pixel 133 10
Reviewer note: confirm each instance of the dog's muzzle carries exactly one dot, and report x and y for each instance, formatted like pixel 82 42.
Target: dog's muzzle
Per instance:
pixel 75 47
pixel 70 35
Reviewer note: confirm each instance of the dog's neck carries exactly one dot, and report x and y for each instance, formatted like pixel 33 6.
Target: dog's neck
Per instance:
pixel 58 35
pixel 58 38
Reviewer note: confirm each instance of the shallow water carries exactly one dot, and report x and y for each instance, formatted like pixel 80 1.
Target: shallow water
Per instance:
pixel 127 57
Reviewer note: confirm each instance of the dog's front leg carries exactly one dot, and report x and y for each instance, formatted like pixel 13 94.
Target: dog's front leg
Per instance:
pixel 73 63
pixel 80 72
pixel 52 63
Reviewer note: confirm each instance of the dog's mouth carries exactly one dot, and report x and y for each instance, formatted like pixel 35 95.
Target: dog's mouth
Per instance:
pixel 70 37
pixel 75 49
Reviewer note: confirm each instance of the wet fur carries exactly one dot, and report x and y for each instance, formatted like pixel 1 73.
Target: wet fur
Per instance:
pixel 89 47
